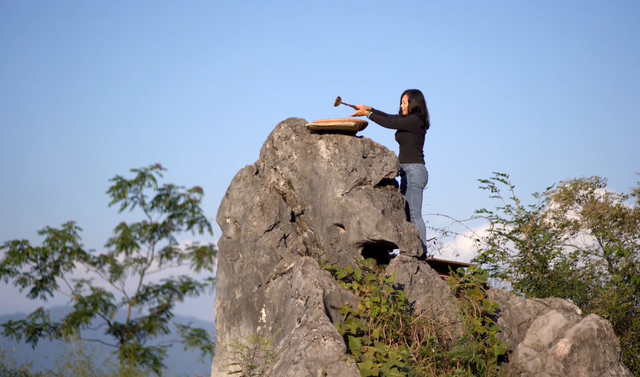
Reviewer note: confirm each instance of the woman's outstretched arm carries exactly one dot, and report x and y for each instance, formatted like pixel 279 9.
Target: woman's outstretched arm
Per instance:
pixel 395 122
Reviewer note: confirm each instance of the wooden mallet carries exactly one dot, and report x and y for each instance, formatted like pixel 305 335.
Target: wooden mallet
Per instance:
pixel 339 102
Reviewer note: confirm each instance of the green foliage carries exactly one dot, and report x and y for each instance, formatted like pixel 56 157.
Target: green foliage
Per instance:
pixel 254 356
pixel 527 229
pixel 8 367
pixel 479 348
pixel 76 362
pixel 134 254
pixel 579 242
pixel 386 337
pixel 372 328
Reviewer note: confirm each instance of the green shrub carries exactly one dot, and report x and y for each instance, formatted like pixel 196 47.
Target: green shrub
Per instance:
pixel 579 241
pixel 386 337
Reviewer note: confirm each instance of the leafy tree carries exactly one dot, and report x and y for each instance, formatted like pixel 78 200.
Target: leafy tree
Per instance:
pixel 579 242
pixel 120 278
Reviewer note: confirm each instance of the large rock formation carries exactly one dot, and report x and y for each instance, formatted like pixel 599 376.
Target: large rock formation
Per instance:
pixel 310 197
pixel 549 338
pixel 333 198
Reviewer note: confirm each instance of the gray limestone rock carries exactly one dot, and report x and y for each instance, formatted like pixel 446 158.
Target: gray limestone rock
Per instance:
pixel 590 348
pixel 428 293
pixel 549 338
pixel 310 198
pixel 517 314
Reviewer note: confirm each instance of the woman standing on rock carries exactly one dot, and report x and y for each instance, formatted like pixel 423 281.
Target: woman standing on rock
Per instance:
pixel 411 125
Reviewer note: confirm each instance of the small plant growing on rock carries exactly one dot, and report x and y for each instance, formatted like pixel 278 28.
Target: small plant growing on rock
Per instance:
pixel 254 356
pixel 479 348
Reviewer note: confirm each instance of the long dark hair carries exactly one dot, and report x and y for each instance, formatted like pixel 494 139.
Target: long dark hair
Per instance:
pixel 417 106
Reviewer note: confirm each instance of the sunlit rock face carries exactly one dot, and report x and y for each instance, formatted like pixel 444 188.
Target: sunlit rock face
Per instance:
pixel 310 198
pixel 550 338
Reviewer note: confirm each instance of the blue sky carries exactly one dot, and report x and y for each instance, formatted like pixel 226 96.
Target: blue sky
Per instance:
pixel 542 90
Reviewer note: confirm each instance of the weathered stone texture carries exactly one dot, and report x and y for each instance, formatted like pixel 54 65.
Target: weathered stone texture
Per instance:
pixel 309 198
pixel 549 338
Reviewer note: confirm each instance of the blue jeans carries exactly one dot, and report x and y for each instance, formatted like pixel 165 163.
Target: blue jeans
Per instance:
pixel 413 179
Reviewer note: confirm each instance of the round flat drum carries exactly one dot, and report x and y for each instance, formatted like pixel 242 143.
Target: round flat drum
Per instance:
pixel 338 124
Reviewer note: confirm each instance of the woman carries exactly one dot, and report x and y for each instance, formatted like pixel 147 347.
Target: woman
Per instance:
pixel 411 124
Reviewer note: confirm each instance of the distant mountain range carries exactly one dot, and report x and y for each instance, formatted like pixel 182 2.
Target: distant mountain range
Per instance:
pixel 49 354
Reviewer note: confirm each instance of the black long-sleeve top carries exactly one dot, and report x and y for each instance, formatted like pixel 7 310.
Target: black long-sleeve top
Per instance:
pixel 409 135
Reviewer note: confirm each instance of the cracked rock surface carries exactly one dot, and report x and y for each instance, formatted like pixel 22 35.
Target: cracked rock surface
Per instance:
pixel 310 198
pixel 550 338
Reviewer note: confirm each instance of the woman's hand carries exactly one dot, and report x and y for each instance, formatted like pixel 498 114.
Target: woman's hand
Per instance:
pixel 361 111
